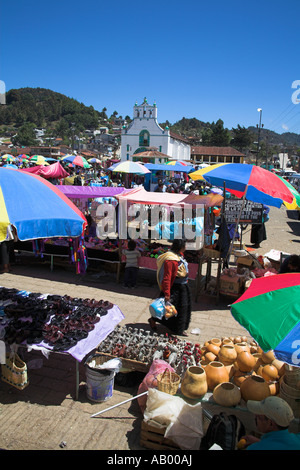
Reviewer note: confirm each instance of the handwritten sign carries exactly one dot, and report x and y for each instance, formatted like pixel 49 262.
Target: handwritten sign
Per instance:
pixel 252 212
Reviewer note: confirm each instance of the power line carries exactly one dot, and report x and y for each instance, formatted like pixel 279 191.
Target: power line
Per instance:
pixel 291 105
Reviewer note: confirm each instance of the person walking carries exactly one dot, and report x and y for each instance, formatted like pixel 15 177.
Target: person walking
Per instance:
pixel 172 279
pixel 132 256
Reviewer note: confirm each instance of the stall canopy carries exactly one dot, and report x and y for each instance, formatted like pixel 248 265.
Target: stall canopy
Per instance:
pixel 140 195
pixel 52 171
pixel 90 192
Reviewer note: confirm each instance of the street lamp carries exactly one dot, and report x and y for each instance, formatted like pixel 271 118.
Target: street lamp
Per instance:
pixel 258 138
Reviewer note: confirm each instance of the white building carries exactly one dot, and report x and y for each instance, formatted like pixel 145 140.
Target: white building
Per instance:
pixel 144 133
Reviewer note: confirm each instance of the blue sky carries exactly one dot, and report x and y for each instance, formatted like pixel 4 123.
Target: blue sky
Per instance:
pixel 194 58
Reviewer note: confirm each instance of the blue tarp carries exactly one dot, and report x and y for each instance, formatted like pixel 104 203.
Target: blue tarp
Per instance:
pixel 177 168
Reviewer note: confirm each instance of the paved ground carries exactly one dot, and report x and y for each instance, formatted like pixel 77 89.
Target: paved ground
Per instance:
pixel 46 414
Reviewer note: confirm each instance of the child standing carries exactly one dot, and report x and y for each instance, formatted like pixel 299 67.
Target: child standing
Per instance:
pixel 132 267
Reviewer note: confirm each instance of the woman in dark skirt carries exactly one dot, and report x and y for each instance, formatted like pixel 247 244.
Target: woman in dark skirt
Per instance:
pixel 172 278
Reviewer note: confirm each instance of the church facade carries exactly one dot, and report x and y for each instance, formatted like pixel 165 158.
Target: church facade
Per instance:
pixel 144 134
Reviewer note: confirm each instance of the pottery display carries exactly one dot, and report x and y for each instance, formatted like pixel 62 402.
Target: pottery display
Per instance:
pixel 274 388
pixel 227 354
pixel 254 387
pixel 227 394
pixel 269 372
pixel 194 383
pixel 210 356
pixel 216 373
pixel 214 348
pixel 268 357
pixel 245 361
pixel 280 366
pixel 242 346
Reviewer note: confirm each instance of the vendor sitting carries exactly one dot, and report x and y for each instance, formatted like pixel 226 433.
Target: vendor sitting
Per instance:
pixel 291 264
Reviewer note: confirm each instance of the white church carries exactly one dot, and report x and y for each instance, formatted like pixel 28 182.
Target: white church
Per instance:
pixel 144 134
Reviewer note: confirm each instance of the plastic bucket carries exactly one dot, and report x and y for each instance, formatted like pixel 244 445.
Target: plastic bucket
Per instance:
pixel 99 382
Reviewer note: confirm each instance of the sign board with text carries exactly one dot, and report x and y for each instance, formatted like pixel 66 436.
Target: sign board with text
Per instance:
pixel 252 212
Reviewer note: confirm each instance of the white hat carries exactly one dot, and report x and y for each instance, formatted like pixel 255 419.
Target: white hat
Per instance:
pixel 274 408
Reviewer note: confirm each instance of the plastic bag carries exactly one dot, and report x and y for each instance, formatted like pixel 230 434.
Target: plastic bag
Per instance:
pixel 157 308
pixel 157 367
pixel 160 308
pixel 183 422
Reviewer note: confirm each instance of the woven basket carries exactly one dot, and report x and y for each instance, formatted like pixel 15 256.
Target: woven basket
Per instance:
pixel 14 372
pixel 210 253
pixel 168 382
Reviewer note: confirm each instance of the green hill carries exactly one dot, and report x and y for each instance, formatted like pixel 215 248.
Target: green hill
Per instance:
pixel 46 108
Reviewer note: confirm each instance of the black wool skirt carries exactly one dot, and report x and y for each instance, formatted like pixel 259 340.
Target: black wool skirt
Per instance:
pixel 181 299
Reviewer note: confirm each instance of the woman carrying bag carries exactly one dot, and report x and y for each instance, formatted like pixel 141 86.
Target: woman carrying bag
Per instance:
pixel 172 279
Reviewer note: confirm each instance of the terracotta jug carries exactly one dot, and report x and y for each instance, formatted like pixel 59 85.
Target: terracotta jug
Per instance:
pixel 242 346
pixel 245 361
pixel 227 354
pixel 216 373
pixel 254 387
pixel 269 373
pixel 268 357
pixel 194 383
pixel 227 394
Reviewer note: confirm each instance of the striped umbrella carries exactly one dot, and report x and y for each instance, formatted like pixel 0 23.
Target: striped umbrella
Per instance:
pixel 296 201
pixel 177 162
pixel 77 160
pixel 129 167
pixel 38 160
pixel 253 182
pixel 270 310
pixel 8 158
pixel 36 208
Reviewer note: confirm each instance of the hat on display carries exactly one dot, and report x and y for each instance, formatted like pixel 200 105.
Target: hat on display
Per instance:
pixel 274 408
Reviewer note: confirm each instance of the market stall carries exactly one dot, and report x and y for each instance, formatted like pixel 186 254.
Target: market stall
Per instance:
pixel 52 323
pixel 189 218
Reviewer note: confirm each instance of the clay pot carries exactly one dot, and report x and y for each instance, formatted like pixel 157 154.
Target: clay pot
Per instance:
pixel 267 357
pixel 280 366
pixel 239 377
pixel 231 370
pixel 214 348
pixel 242 346
pixel 245 361
pixel 254 387
pixel 237 339
pixel 209 356
pixel 259 363
pixel 216 373
pixel 216 341
pixel 269 372
pixel 227 354
pixel 253 349
pixel 274 388
pixel 194 383
pixel 227 341
pixel 227 394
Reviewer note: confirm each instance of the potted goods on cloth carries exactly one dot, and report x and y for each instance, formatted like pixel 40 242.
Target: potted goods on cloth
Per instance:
pixel 254 387
pixel 227 394
pixel 216 373
pixel 194 384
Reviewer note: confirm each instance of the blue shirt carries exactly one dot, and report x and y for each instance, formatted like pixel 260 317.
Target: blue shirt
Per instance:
pixel 277 440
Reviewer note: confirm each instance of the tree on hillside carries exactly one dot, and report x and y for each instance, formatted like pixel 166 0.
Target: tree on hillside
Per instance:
pixel 25 136
pixel 220 136
pixel 242 138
